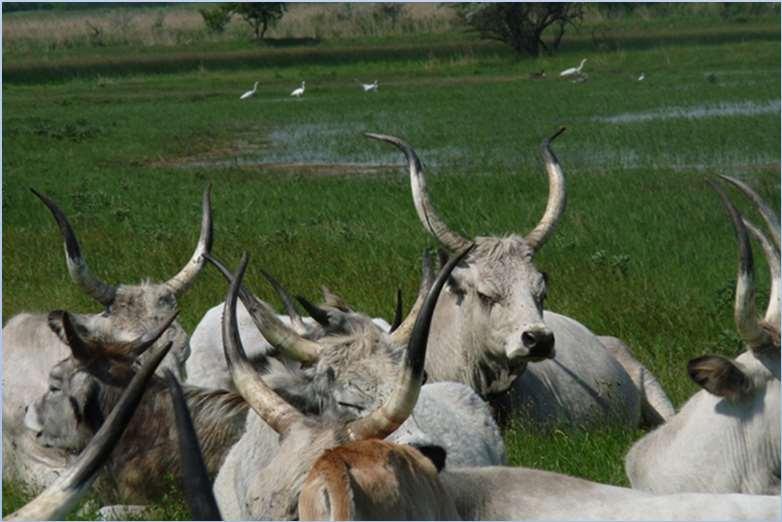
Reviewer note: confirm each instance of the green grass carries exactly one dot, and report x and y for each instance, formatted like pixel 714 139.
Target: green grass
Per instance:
pixel 644 252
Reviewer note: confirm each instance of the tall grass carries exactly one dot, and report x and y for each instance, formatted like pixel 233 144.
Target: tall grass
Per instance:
pixel 182 25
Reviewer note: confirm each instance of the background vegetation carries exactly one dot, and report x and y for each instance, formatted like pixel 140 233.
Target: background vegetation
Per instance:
pixel 125 126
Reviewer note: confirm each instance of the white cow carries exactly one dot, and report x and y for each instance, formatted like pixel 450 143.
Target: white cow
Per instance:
pixel 726 438
pixel 64 493
pixel 242 489
pixel 34 343
pixel 490 323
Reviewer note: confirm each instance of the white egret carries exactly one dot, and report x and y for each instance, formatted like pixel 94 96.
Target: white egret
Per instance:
pixel 573 72
pixel 641 78
pixel 249 94
pixel 298 92
pixel 369 86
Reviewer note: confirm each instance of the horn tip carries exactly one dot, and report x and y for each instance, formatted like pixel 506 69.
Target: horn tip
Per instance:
pixel 556 135
pixel 378 136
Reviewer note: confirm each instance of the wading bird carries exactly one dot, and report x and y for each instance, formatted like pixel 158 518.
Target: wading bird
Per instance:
pixel 368 86
pixel 298 92
pixel 574 73
pixel 249 94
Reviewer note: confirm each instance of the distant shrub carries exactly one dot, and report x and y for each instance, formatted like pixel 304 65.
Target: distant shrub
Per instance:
pixel 522 24
pixel 216 18
pixel 742 12
pixel 259 16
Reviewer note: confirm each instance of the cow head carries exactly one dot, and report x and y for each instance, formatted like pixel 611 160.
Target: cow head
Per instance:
pixel 274 491
pixel 61 496
pixel 84 386
pixel 753 375
pixel 494 299
pixel 346 362
pixel 130 308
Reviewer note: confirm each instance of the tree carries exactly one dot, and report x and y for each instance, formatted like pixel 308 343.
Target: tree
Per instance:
pixel 260 16
pixel 216 18
pixel 521 25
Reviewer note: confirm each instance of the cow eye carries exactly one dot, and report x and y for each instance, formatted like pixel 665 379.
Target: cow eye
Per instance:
pixel 454 286
pixel 486 299
pixel 53 389
pixel 355 407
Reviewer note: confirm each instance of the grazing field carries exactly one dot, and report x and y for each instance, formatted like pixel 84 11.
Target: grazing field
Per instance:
pixel 644 252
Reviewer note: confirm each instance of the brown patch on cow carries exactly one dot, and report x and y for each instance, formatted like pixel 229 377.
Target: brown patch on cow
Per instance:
pixel 374 480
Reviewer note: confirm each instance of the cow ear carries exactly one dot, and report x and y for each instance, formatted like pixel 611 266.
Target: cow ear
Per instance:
pixel 334 300
pixel 62 324
pixel 436 454
pixel 719 376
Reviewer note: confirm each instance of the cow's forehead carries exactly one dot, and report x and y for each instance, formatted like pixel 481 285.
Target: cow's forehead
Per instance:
pixel 147 294
pixel 498 260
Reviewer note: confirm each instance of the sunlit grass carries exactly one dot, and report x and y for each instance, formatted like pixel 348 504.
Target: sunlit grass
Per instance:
pixel 644 251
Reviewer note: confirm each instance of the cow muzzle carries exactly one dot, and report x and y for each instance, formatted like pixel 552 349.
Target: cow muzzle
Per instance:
pixel 537 344
pixel 540 343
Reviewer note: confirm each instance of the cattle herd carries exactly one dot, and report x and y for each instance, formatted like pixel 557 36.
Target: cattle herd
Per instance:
pixel 340 416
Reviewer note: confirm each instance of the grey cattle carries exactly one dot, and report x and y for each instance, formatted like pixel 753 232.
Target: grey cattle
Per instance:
pixel 726 437
pixel 64 493
pixel 505 493
pixel 256 484
pixel 352 361
pixel 374 480
pixel 490 323
pixel 85 387
pixel 33 343
pixel 206 367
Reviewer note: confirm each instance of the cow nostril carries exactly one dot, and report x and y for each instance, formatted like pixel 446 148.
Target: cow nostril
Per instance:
pixel 539 343
pixel 545 345
pixel 529 339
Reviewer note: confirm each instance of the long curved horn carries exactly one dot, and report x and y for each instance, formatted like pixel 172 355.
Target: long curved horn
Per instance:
pixel 397 311
pixel 747 323
pixel 557 198
pixel 185 278
pixel 383 421
pixel 426 212
pixel 317 313
pixel 85 349
pixel 771 219
pixel 196 484
pixel 273 330
pixel 277 413
pixel 287 301
pixel 63 495
pixel 401 335
pixel 77 266
pixel 773 260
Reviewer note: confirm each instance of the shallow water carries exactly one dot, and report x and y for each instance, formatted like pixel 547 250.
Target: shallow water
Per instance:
pixel 695 112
